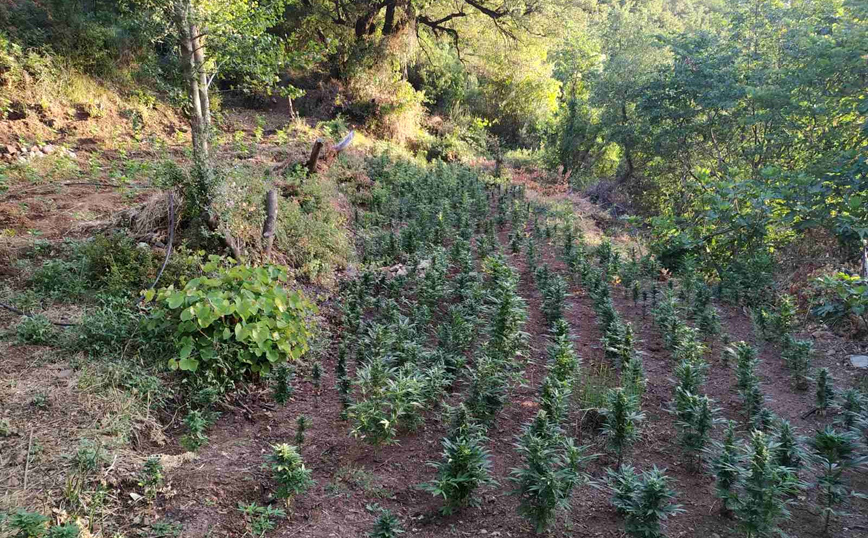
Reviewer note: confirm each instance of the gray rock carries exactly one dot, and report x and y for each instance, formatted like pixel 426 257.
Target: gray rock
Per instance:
pixel 859 361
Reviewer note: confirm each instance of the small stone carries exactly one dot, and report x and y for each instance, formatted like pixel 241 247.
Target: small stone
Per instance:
pixel 64 373
pixel 859 361
pixel 48 149
pixel 830 353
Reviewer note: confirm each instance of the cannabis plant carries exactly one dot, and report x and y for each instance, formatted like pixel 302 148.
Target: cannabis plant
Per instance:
pixel 387 525
pixel 623 482
pixel 797 355
pixel 696 420
pixel 764 489
pixel 836 452
pixel 282 384
pixel 789 453
pixel 851 408
pixel 289 472
pixel 620 419
pixel 651 504
pixel 551 469
pixel 301 425
pixel 726 464
pixel 464 467
pixel 488 389
pixel 825 390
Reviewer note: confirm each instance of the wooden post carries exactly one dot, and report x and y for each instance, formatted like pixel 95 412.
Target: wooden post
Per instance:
pixel 270 220
pixel 314 155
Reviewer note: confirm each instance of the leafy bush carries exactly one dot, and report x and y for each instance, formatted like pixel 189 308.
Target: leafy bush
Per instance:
pixel 36 329
pixel 845 298
pixel 234 322
pixel 110 326
pixel 118 264
pixel 59 279
pixel 288 470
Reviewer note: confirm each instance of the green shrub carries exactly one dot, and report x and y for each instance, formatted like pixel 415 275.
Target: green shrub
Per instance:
pixel 59 279
pixel 310 232
pixel 844 299
pixel 234 322
pixel 118 264
pixel 111 326
pixel 36 329
pixel 288 470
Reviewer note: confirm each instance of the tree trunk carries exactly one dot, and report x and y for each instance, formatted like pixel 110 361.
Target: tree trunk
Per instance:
pixel 197 41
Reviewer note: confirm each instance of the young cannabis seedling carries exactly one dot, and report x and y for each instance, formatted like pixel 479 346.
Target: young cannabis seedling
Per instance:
pixel 282 384
pixel 151 477
pixel 387 525
pixel 260 519
pixel 301 425
pixel 825 391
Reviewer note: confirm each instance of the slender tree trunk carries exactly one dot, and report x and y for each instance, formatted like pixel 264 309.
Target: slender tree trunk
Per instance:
pixel 198 44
